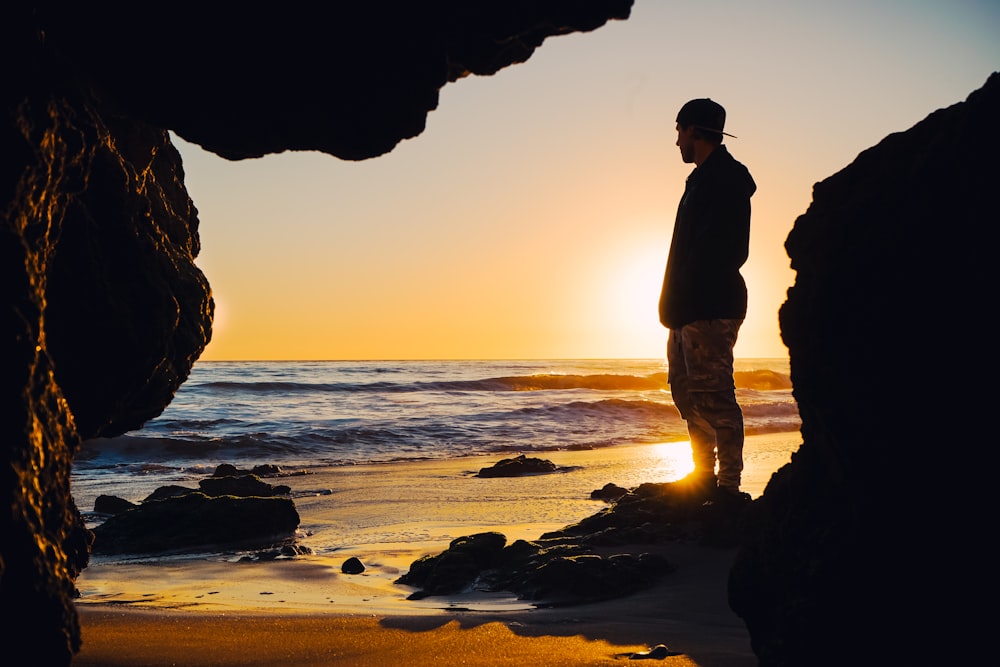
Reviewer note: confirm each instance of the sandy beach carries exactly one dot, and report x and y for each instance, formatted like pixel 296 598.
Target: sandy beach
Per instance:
pixel 221 611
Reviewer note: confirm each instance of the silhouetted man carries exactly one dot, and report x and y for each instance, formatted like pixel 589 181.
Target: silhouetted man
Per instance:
pixel 704 297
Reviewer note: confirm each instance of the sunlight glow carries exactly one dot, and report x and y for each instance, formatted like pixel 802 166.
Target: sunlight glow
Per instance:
pixel 675 460
pixel 532 218
pixel 629 289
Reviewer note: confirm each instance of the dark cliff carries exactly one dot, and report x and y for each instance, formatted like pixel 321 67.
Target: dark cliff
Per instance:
pixel 853 540
pixel 103 309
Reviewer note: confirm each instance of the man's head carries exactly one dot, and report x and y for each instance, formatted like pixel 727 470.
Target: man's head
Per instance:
pixel 700 120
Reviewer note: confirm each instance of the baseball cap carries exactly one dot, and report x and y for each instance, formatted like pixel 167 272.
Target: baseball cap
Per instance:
pixel 704 114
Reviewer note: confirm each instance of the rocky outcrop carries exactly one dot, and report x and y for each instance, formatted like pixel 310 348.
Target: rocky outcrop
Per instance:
pixel 225 511
pixel 654 513
pixel 889 334
pixel 103 309
pixel 550 570
pixel 350 79
pixel 609 492
pixel 105 504
pixel 519 466
pixel 571 565
pixel 241 485
pixel 195 522
pixel 104 312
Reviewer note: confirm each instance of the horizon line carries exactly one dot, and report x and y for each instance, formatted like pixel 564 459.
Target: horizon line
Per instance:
pixel 439 359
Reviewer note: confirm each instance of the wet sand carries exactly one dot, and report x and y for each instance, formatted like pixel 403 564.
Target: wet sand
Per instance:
pixel 305 611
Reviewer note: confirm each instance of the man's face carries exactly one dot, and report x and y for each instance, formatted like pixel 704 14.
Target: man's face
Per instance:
pixel 685 141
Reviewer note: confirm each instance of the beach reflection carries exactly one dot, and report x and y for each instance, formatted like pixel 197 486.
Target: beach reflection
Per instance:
pixel 674 460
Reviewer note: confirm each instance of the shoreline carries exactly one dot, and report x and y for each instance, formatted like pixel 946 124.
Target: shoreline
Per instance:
pixel 216 611
pixel 686 611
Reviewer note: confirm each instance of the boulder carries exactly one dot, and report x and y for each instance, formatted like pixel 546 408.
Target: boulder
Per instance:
pixel 608 492
pixel 225 470
pixel 196 522
pixel 104 504
pixel 262 470
pixel 352 565
pixel 457 568
pixel 242 486
pixel 518 466
pixel 169 491
pixel 550 571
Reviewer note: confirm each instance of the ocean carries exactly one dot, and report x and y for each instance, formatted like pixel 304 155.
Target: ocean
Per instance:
pixel 303 415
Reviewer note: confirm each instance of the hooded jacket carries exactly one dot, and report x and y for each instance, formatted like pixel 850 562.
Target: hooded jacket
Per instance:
pixel 711 241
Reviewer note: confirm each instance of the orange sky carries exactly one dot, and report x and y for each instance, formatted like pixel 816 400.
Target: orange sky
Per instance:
pixel 532 218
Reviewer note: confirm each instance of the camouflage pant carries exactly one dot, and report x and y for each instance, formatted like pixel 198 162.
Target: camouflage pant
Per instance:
pixel 700 373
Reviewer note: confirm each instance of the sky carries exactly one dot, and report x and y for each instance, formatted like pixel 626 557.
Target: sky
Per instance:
pixel 532 218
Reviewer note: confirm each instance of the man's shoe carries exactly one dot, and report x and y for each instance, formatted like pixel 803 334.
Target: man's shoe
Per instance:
pixel 731 494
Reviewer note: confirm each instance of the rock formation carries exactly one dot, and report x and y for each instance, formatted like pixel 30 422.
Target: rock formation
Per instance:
pixel 519 466
pixel 104 311
pixel 550 571
pixel 567 566
pixel 226 510
pixel 195 522
pixel 888 330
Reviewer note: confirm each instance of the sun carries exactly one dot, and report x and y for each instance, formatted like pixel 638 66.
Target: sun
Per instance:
pixel 630 297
